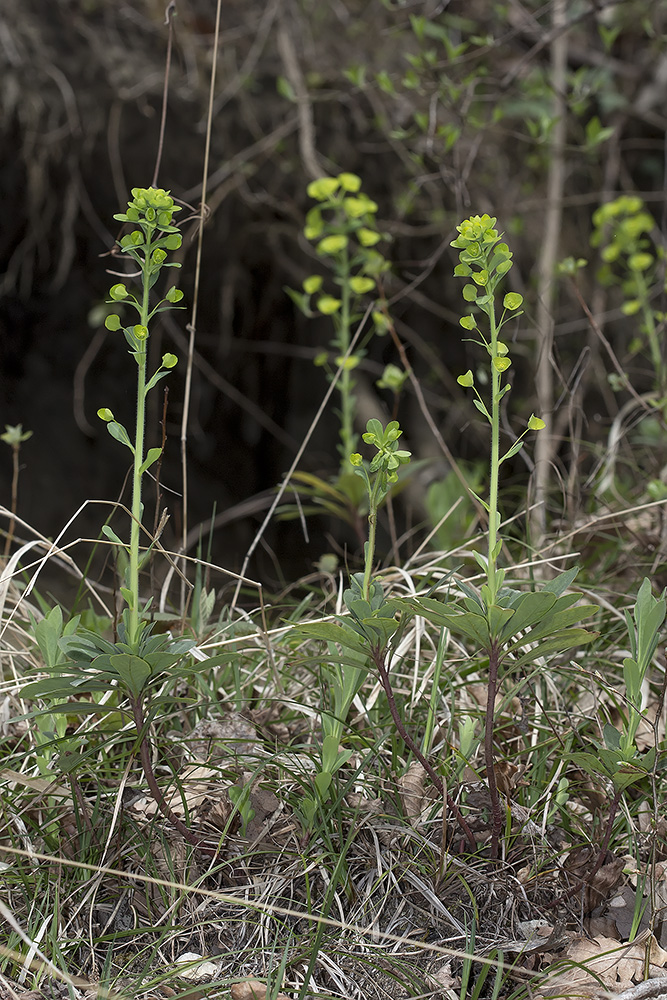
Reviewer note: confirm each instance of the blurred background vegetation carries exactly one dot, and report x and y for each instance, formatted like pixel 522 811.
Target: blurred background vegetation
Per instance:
pixel 537 113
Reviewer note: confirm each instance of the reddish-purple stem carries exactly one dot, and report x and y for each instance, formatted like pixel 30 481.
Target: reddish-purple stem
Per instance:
pixel 378 654
pixel 147 766
pixel 601 854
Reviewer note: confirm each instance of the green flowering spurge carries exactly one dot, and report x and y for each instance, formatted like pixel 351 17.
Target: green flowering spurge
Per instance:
pixel 343 228
pixel 369 633
pixel 634 261
pixel 484 262
pixel 151 212
pixel 370 621
pixel 511 628
pixel 378 477
pixel 82 661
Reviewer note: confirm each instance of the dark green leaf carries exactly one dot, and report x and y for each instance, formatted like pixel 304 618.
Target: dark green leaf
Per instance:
pixel 328 632
pixel 557 643
pixel 528 610
pixel 132 670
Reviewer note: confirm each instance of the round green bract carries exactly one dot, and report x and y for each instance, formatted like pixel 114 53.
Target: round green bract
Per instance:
pixel 354 207
pixel 361 285
pixel 312 284
pixel 322 188
pixel 328 305
pixel 501 364
pixel 512 300
pixel 349 182
pixel 347 364
pixel 332 244
pixel 640 261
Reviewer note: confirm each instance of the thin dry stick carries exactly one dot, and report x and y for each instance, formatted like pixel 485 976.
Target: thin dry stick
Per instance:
pixel 545 444
pixel 192 325
pixel 168 20
pixel 293 72
pixel 651 988
pixel 602 853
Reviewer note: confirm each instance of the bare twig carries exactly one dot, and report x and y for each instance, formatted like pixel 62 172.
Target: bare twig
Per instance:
pixel 192 325
pixel 309 156
pixel 545 442
pixel 168 20
pixel 656 988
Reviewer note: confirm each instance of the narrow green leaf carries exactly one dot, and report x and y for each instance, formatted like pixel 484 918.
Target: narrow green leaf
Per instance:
pixel 109 533
pixel 560 583
pixel 132 670
pixel 151 457
pixel 528 610
pixel 559 642
pixel 328 632
pixel 118 432
pixel 482 408
pixel 517 446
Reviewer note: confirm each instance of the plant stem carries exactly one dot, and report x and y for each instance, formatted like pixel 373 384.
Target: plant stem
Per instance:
pixel 14 501
pixel 378 655
pixel 495 459
pixel 147 767
pixel 370 544
pixel 489 755
pixel 345 385
pixel 135 528
pixel 649 322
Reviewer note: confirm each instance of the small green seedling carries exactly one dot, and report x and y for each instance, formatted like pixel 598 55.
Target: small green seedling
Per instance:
pixel 14 437
pixel 618 758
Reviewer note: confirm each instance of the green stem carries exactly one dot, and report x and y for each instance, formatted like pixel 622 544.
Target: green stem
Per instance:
pixel 495 459
pixel 370 544
pixel 135 529
pixel 649 321
pixel 346 397
pixel 489 755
